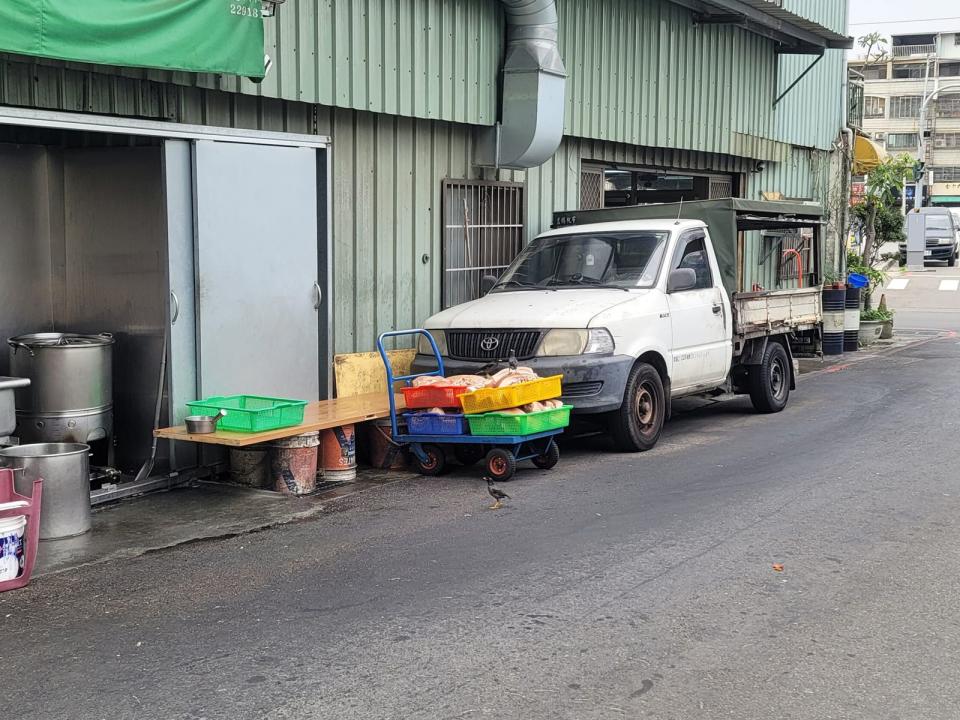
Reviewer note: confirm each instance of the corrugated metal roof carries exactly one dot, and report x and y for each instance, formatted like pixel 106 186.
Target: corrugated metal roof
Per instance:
pixel 764 16
pixel 789 18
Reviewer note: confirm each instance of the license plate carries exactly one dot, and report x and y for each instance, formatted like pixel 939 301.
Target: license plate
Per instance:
pixel 927 253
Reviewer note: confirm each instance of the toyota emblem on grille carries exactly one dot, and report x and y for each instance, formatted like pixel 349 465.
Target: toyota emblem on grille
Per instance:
pixel 489 343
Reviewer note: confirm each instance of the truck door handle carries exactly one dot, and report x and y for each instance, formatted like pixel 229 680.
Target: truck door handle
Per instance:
pixel 717 309
pixel 319 300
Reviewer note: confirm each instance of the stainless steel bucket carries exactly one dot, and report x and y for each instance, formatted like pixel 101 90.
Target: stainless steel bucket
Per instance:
pixel 65 471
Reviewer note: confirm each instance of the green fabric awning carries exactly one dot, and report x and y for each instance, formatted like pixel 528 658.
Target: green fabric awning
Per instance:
pixel 940 199
pixel 222 36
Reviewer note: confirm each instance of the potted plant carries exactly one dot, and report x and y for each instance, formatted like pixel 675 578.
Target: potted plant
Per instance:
pixel 832 281
pixel 871 325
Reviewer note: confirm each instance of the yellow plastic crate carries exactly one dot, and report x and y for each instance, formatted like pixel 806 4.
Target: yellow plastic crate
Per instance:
pixel 490 399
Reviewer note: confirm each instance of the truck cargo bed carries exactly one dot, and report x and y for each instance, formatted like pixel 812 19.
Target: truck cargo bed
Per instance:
pixel 772 312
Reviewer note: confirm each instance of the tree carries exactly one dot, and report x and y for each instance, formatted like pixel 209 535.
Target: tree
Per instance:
pixel 884 182
pixel 875 49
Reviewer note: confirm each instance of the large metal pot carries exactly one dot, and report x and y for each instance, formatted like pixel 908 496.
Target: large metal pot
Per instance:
pixel 68 372
pixel 70 397
pixel 65 471
pixel 8 416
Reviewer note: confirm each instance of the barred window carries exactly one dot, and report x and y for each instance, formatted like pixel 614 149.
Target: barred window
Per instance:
pixel 946 174
pixel 948 106
pixel 872 72
pixel 901 141
pixel 482 233
pixel 874 107
pixel 912 72
pixel 905 106
pixel 950 69
pixel 946 140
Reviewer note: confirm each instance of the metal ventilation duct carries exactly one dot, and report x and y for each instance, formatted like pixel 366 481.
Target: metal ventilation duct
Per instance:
pixel 534 90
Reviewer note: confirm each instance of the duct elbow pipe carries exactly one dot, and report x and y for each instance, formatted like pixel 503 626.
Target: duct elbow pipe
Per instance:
pixel 534 90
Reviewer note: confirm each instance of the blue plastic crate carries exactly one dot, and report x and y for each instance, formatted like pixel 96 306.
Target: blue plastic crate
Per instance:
pixel 430 424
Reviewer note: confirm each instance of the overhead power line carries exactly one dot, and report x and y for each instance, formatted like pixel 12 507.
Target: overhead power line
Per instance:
pixel 912 20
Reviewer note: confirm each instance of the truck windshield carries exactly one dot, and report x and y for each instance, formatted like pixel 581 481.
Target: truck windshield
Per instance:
pixel 615 259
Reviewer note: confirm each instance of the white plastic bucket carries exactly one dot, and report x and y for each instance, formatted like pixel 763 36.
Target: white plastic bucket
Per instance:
pixel 11 546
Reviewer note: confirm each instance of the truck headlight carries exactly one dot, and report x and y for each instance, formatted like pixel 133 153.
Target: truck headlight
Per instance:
pixel 945 241
pixel 575 342
pixel 439 337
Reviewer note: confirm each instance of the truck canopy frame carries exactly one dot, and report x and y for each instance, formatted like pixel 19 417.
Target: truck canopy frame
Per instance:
pixel 728 219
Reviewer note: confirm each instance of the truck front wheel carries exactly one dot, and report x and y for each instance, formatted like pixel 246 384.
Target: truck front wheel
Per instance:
pixel 770 380
pixel 636 426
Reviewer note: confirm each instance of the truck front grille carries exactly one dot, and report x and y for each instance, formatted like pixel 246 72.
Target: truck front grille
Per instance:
pixel 486 345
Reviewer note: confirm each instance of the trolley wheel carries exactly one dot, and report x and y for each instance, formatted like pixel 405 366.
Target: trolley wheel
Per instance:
pixel 436 460
pixel 501 464
pixel 468 455
pixel 550 458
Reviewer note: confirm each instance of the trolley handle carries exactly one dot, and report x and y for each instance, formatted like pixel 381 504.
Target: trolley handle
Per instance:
pixel 391 378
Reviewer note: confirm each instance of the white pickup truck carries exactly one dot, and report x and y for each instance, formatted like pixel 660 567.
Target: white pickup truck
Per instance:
pixel 634 313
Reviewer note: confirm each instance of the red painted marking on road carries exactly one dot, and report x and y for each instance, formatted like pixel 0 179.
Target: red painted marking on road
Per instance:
pixel 837 368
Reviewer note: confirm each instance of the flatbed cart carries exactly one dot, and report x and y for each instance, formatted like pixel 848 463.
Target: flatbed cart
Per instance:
pixel 500 453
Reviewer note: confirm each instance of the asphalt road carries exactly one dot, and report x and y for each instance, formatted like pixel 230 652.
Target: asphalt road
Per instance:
pixel 928 299
pixel 611 587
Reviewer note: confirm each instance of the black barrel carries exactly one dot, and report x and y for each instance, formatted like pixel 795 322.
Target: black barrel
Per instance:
pixel 833 308
pixel 851 320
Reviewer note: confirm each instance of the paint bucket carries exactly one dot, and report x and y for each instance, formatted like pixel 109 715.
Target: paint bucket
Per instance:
pixel 381 452
pixel 293 464
pixel 851 320
pixel 12 553
pixel 339 449
pixel 250 466
pixel 834 301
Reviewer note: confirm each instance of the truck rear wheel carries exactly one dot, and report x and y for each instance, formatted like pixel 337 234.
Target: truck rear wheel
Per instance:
pixel 636 426
pixel 770 380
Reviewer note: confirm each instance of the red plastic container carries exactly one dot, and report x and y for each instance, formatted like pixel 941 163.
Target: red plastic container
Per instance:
pixel 431 396
pixel 30 507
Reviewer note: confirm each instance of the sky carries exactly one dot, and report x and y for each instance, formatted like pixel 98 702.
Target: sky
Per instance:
pixel 903 16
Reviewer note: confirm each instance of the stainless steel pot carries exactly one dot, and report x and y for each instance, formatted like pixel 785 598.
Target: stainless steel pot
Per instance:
pixel 68 373
pixel 65 471
pixel 203 424
pixel 8 415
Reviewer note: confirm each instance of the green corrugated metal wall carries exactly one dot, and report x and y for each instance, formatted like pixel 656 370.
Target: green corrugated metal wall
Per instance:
pixel 701 83
pixel 703 87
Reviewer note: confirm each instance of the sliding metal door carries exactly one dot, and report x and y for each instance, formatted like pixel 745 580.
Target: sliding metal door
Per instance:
pixel 257 269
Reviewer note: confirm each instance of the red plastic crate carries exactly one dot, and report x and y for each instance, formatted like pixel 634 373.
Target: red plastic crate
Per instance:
pixel 431 396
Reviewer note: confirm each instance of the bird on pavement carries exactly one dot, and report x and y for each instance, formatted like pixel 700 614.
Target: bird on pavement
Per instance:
pixel 496 493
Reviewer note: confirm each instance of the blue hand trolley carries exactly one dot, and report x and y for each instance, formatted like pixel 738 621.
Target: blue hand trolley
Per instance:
pixel 500 453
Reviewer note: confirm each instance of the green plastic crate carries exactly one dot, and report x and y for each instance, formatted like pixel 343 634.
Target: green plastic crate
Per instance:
pixel 251 413
pixel 498 423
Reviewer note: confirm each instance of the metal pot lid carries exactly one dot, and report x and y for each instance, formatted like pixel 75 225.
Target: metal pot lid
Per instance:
pixel 46 340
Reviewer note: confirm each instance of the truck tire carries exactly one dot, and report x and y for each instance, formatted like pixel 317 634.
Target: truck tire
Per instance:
pixel 636 426
pixel 952 262
pixel 770 380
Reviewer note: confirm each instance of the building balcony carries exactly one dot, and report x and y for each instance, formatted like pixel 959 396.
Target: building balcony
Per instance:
pixel 908 50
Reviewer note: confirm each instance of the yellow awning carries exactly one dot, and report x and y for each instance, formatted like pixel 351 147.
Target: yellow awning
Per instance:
pixel 866 155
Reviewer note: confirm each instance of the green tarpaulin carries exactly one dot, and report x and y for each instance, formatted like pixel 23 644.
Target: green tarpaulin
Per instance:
pixel 222 36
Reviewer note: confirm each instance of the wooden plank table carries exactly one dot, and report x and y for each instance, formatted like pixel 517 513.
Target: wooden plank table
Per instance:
pixel 319 415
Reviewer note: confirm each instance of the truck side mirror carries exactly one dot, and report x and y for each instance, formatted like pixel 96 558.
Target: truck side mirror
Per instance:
pixel 487 282
pixel 681 279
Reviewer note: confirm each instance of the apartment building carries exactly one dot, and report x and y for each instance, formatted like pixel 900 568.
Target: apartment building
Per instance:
pixel 894 88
